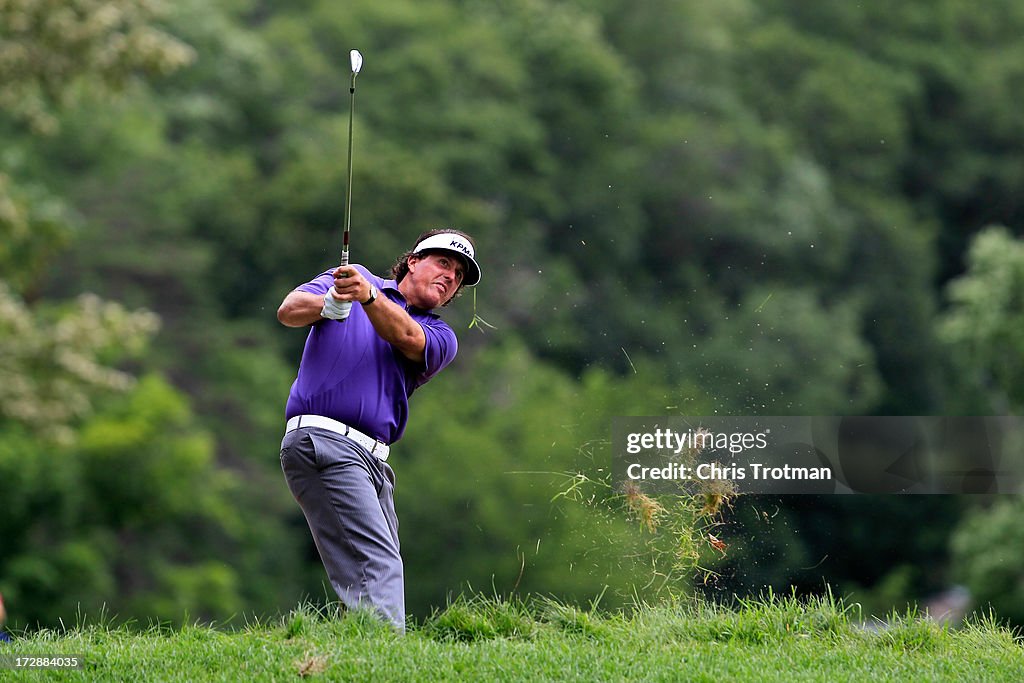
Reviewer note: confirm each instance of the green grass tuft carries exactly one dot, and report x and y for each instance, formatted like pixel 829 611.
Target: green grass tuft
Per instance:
pixel 910 632
pixel 479 618
pixel 574 621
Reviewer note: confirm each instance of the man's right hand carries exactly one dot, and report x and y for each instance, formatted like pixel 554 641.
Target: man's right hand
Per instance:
pixel 334 309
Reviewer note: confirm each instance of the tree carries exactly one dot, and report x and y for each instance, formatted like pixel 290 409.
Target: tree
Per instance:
pixel 984 323
pixel 986 548
pixel 984 329
pixel 112 493
pixel 52 53
pixel 56 365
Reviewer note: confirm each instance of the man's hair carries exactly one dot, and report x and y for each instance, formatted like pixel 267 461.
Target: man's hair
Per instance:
pixel 401 267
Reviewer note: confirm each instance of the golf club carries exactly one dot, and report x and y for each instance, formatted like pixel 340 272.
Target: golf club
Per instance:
pixel 357 63
pixel 356 60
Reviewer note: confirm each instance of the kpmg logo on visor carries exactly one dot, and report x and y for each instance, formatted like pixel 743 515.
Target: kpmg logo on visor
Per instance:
pixel 461 247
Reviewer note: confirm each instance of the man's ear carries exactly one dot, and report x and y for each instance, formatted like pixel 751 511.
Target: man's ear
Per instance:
pixel 413 260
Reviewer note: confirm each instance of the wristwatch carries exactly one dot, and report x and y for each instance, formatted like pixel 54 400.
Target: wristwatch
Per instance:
pixel 373 296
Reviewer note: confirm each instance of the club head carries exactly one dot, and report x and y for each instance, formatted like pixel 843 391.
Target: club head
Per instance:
pixel 357 61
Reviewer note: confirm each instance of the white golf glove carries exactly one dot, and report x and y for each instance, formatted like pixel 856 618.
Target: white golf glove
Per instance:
pixel 334 309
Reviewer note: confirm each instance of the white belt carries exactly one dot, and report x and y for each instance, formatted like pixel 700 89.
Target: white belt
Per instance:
pixel 376 448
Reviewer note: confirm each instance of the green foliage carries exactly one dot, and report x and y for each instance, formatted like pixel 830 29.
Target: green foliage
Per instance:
pixel 782 328
pixel 982 326
pixel 33 229
pixel 52 51
pixel 107 529
pixel 56 363
pixel 807 542
pixel 984 323
pixel 986 549
pixel 849 109
pixel 138 445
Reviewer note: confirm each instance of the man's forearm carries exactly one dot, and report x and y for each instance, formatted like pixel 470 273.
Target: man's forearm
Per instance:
pixel 396 326
pixel 391 322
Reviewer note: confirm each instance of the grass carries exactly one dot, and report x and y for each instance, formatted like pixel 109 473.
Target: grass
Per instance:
pixel 478 639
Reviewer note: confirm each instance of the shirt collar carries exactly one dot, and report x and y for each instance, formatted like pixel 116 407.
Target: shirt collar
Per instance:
pixel 392 285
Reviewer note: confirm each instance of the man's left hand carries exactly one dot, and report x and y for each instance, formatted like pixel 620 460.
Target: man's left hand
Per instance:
pixel 350 285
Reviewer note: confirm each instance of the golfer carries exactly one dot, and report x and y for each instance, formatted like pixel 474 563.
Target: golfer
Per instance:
pixel 372 343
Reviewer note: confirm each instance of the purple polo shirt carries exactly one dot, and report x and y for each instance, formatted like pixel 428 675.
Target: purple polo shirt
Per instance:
pixel 350 374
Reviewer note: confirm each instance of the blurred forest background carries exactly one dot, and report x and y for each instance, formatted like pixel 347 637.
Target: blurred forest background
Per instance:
pixel 743 207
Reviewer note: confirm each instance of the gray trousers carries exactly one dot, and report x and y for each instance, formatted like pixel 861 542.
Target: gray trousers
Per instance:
pixel 347 497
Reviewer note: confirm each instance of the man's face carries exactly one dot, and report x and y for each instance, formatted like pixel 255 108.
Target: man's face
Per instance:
pixel 432 280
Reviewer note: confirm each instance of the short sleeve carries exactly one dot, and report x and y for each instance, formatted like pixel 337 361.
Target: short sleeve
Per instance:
pixel 318 285
pixel 441 347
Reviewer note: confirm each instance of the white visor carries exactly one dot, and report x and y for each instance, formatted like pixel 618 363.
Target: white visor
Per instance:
pixel 457 244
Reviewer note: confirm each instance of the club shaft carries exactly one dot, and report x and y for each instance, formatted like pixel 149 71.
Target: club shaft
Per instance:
pixel 348 190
